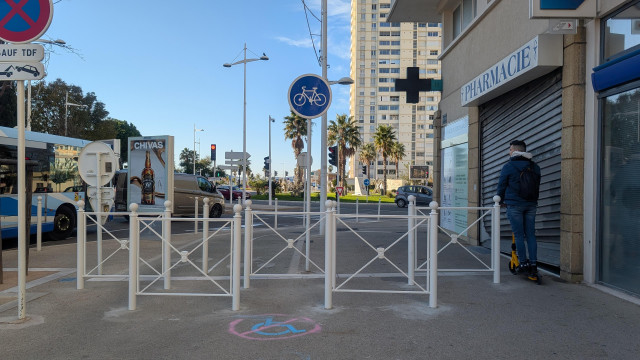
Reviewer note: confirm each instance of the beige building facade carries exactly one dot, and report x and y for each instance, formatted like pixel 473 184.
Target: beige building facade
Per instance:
pixel 381 52
pixel 566 81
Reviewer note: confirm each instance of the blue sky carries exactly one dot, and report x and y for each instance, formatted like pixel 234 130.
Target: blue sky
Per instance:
pixel 158 65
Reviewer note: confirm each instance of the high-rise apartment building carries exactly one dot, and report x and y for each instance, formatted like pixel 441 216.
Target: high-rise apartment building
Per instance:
pixel 380 53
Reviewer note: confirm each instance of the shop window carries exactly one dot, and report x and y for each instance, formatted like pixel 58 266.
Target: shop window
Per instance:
pixel 621 32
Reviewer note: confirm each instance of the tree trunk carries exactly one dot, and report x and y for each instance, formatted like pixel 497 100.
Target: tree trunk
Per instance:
pixel 384 186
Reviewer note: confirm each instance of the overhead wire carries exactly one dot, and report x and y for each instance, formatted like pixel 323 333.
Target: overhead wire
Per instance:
pixel 307 10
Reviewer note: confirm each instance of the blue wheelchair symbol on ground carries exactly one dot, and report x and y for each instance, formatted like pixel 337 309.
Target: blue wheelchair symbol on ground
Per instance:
pixel 270 324
pixel 309 96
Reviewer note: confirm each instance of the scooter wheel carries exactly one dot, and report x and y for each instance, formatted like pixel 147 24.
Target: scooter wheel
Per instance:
pixel 512 268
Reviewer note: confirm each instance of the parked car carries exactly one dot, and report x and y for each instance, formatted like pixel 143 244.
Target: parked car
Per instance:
pixel 423 194
pixel 185 188
pixel 237 192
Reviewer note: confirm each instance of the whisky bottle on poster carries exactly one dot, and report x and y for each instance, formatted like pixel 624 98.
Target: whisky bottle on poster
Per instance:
pixel 148 182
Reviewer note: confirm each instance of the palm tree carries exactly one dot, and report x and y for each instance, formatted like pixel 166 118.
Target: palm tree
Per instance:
pixel 368 154
pixel 397 153
pixel 383 139
pixel 295 127
pixel 344 132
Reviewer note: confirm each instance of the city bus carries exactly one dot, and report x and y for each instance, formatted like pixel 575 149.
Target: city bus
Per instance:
pixel 55 178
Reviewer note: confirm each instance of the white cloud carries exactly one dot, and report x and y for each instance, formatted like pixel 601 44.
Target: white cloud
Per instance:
pixel 303 43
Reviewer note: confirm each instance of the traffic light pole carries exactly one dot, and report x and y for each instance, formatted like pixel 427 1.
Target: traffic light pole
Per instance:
pixel 323 135
pixel 270 121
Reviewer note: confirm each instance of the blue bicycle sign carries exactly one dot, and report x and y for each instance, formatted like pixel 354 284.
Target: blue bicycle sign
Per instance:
pixel 309 96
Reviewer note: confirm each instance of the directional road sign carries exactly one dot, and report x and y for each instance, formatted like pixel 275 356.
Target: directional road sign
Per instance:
pixel 21 71
pixel 366 182
pixel 228 167
pixel 234 155
pixel 309 96
pixel 21 52
pixel 236 162
pixel 24 21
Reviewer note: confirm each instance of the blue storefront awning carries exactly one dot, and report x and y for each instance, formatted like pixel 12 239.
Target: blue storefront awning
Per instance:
pixel 616 72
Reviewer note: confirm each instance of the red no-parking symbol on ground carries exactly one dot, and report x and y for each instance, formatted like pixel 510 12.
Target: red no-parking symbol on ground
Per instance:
pixel 22 21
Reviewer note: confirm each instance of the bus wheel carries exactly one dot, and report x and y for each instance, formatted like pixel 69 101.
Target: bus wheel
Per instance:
pixel 63 223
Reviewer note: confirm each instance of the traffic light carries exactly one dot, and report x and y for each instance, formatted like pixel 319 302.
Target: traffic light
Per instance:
pixel 213 152
pixel 364 169
pixel 275 173
pixel 266 163
pixel 333 154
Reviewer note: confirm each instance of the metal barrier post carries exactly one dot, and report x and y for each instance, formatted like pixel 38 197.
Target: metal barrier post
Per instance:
pixel 81 239
pixel 495 239
pixel 248 243
pixel 195 223
pixel 235 254
pixel 134 241
pixel 275 221
pixel 205 236
pixel 357 211
pixel 166 245
pixel 333 243
pixel 433 255
pixel 379 201
pixel 328 284
pixel 39 225
pixel 411 240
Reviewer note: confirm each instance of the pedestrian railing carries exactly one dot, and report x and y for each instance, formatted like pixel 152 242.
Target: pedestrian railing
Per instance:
pixel 176 260
pixel 102 258
pixel 421 229
pixel 493 265
pixel 287 240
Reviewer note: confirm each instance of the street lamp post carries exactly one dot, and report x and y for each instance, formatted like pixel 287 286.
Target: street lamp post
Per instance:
pixel 270 162
pixel 66 111
pixel 194 147
pixel 244 117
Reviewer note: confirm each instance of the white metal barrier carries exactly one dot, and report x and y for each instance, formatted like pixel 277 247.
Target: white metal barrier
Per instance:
pixel 288 240
pixel 116 248
pixel 494 213
pixel 381 253
pixel 214 275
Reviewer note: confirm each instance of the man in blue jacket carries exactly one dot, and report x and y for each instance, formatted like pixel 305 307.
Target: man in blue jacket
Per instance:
pixel 521 212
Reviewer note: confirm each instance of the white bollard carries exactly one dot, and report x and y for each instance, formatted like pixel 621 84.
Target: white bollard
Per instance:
pixel 235 254
pixel 248 243
pixel 166 244
pixel 80 246
pixel 411 240
pixel 495 239
pixel 379 202
pixel 134 241
pixel 39 225
pixel 433 255
pixel 275 220
pixel 328 287
pixel 205 236
pixel 357 211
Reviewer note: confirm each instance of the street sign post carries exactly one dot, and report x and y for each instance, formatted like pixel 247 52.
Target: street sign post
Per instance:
pixel 21 71
pixel 309 96
pixel 235 155
pixel 25 21
pixel 21 52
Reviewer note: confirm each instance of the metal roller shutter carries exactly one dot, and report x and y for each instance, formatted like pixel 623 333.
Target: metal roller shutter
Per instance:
pixel 533 113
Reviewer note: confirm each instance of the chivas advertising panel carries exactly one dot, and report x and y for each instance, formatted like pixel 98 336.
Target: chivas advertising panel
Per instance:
pixel 150 172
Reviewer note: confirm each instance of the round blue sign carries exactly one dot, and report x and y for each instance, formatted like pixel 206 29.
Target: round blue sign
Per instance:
pixel 309 96
pixel 366 182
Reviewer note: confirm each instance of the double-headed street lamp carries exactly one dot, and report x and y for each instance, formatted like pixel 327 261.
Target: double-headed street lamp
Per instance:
pixel 244 116
pixel 194 147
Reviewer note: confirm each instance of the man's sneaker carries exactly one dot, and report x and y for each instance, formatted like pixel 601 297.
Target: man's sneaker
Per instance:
pixel 533 272
pixel 523 267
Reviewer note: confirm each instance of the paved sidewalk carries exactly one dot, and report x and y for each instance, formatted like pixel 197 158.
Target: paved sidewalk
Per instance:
pixel 286 319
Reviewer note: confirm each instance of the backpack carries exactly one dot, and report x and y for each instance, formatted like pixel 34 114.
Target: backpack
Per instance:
pixel 529 183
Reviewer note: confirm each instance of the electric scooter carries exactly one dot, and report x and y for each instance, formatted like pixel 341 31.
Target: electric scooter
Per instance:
pixel 514 263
